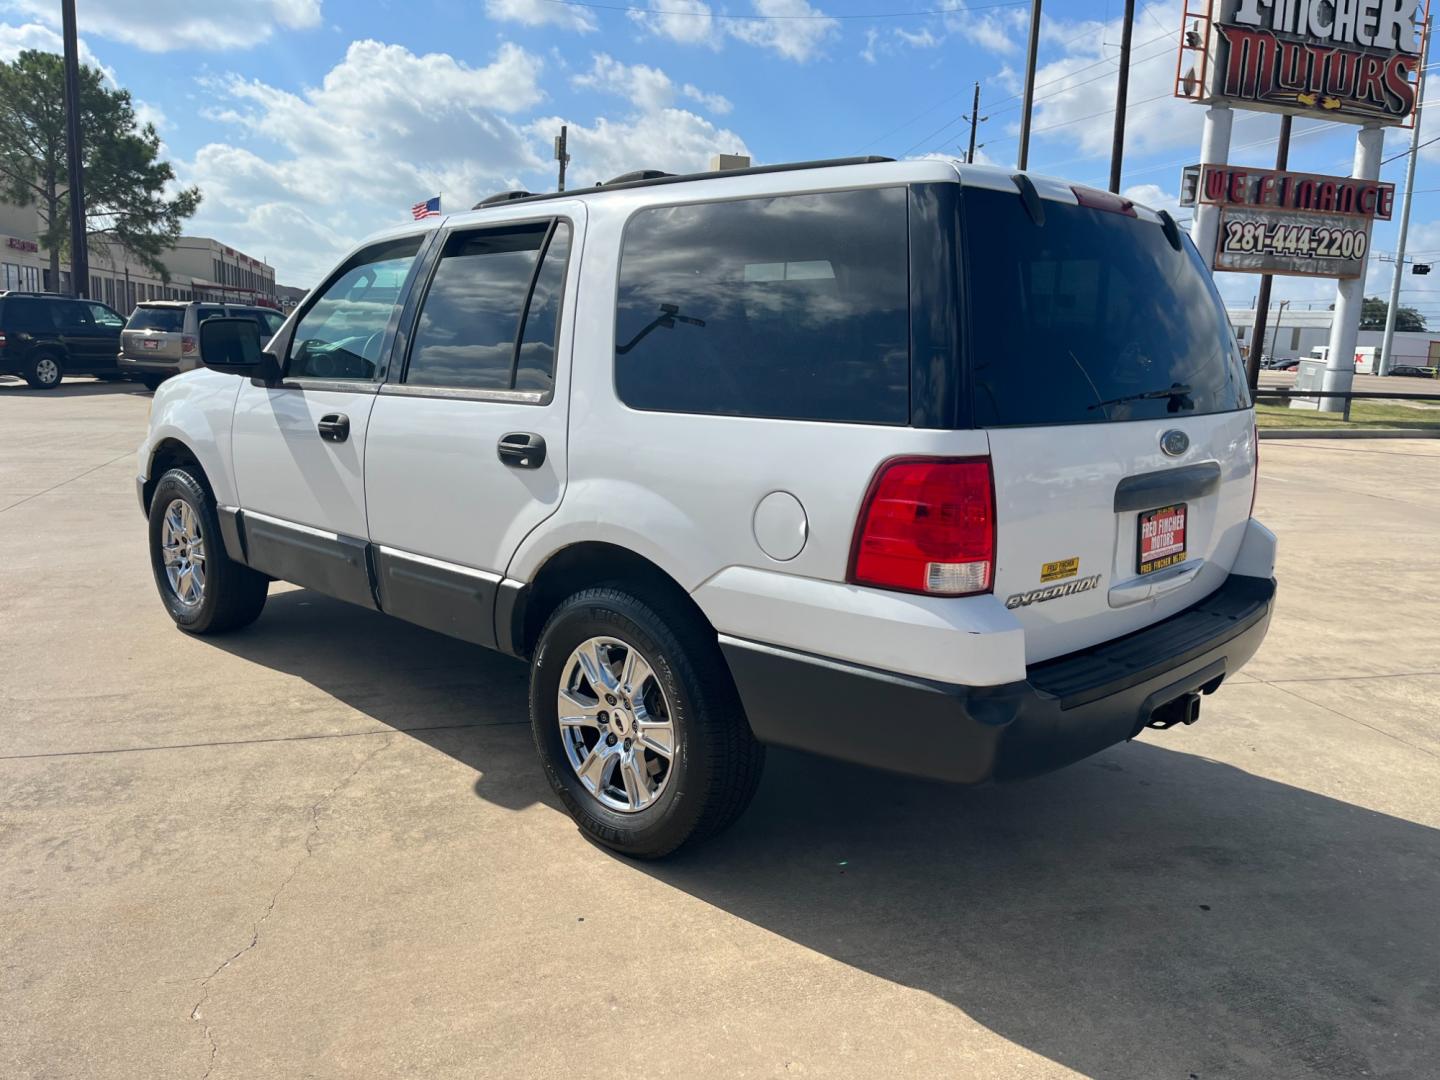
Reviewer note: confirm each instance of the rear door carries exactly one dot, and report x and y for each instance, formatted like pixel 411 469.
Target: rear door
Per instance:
pixel 466 450
pixel 1121 436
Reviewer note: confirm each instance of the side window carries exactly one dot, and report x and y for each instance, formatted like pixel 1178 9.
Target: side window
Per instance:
pixel 340 336
pixel 201 314
pixel 535 363
pixel 793 307
pixel 103 316
pixel 71 316
pixel 273 320
pixel 470 334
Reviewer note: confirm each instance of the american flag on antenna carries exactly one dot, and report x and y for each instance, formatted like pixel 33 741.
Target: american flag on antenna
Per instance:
pixel 428 208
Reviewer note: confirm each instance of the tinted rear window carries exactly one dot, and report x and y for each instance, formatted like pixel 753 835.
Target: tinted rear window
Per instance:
pixel 791 307
pixel 164 319
pixel 1089 307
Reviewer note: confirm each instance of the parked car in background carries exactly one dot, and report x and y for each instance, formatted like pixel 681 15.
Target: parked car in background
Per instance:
pixel 1412 371
pixel 44 337
pixel 162 337
pixel 1284 365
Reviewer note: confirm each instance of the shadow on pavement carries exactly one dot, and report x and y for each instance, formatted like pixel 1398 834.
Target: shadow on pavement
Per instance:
pixel 1146 914
pixel 71 387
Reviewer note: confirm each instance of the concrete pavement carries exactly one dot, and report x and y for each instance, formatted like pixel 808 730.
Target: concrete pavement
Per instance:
pixel 322 846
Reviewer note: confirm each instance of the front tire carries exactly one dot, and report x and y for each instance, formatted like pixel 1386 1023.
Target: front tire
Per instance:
pixel 203 589
pixel 44 370
pixel 652 748
pixel 151 382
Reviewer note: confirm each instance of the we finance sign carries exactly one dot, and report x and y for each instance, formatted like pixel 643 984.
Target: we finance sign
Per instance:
pixel 1344 59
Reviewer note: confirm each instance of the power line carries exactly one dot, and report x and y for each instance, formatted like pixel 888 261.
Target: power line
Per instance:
pixel 782 18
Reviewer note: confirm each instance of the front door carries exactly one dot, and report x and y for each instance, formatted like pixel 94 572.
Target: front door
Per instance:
pixel 466 447
pixel 299 448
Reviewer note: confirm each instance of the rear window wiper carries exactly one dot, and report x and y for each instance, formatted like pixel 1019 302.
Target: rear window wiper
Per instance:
pixel 1176 390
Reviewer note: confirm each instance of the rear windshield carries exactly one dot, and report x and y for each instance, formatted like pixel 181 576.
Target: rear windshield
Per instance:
pixel 168 319
pixel 1072 319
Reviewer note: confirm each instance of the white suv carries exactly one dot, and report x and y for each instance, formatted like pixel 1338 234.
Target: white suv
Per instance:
pixel 932 467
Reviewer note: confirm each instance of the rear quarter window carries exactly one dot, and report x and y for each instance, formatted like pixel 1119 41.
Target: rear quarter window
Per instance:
pixel 1092 306
pixel 791 307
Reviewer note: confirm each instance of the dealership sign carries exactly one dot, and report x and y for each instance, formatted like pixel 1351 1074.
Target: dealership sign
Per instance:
pixel 1274 222
pixel 1345 59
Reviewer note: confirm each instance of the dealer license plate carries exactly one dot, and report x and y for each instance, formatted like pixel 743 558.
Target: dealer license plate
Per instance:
pixel 1161 538
pixel 150 343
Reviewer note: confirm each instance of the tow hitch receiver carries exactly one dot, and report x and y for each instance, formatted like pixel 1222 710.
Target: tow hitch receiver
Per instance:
pixel 1182 710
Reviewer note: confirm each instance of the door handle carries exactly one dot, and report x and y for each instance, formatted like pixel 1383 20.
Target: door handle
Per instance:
pixel 522 450
pixel 334 427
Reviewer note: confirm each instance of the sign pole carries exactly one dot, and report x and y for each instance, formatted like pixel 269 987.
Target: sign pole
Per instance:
pixel 74 163
pixel 1350 293
pixel 1214 150
pixel 1029 100
pixel 1262 302
pixel 1389 339
pixel 1122 89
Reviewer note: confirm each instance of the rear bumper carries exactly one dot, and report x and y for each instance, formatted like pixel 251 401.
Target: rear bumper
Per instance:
pixel 143 366
pixel 1064 710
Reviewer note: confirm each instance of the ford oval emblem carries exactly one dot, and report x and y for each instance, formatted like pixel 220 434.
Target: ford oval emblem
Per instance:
pixel 1174 442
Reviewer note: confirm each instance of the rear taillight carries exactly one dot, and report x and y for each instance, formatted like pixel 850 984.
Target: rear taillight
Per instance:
pixel 928 526
pixel 1255 471
pixel 187 345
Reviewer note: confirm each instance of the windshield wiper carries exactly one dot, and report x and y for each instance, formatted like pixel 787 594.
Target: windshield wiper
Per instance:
pixel 1176 391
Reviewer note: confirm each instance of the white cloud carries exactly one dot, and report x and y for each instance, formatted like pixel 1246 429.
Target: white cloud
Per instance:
pixel 685 21
pixel 672 140
pixel 384 128
pixel 872 37
pixel 167 25
pixel 921 39
pixel 541 13
pixel 792 28
pixel 648 88
pixel 16 39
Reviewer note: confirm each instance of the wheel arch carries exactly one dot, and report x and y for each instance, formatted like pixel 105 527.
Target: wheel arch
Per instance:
pixel 167 454
pixel 583 565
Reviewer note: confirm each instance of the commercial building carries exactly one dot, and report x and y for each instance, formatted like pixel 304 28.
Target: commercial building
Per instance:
pixel 199 269
pixel 1294 333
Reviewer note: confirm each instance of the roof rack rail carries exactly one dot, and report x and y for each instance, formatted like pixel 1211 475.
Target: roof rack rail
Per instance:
pixel 501 197
pixel 621 184
pixel 636 175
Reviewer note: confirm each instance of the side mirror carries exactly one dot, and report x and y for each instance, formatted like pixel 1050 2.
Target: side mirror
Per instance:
pixel 233 346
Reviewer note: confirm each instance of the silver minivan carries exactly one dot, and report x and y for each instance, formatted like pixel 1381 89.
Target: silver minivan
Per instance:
pixel 162 337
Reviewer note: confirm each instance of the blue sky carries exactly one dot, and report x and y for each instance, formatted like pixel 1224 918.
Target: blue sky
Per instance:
pixel 308 123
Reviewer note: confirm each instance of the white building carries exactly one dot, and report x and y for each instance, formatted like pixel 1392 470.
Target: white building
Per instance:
pixel 200 269
pixel 1294 333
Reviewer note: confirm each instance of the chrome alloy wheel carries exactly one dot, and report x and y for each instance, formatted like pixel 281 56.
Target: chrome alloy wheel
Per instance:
pixel 47 371
pixel 616 724
pixel 183 549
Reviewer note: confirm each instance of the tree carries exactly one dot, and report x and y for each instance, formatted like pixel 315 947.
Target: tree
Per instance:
pixel 1374 310
pixel 126 181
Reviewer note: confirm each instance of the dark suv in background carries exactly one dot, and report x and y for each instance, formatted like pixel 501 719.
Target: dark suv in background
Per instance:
pixel 44 337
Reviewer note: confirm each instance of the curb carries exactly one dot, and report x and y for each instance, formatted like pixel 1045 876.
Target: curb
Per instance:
pixel 1350 433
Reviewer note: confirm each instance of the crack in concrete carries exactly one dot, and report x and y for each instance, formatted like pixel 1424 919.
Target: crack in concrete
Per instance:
pixel 315 809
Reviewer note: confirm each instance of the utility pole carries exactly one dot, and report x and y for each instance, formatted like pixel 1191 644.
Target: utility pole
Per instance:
pixel 974 120
pixel 1122 89
pixel 1262 302
pixel 561 154
pixel 79 254
pixel 1388 340
pixel 1029 100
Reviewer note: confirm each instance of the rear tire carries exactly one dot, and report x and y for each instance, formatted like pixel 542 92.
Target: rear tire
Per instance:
pixel 151 382
pixel 205 591
pixel 44 370
pixel 714 764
